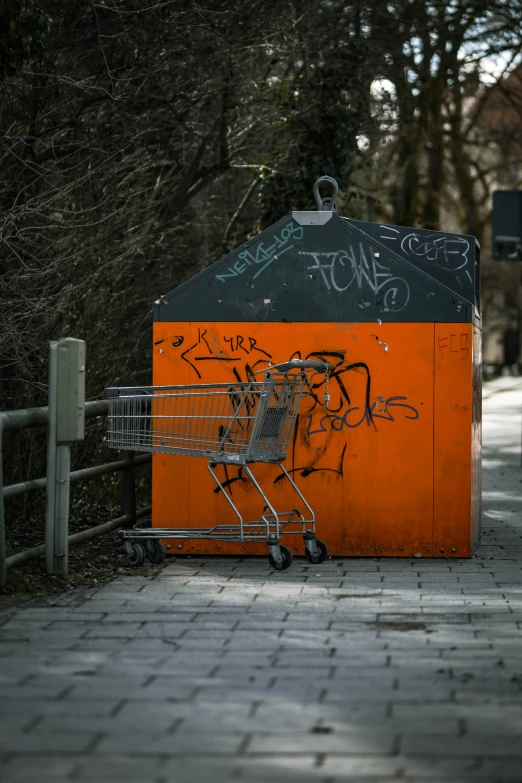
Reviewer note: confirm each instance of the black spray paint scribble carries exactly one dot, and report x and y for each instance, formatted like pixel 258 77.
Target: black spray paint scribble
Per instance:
pixel 304 471
pixel 337 416
pixel 316 392
pixel 308 470
pixel 201 350
pixel 348 421
pixel 335 377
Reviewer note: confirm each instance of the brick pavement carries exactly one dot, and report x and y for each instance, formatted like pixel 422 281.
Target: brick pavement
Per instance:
pixel 223 670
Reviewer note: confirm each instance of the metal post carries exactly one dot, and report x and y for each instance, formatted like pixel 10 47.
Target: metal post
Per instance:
pixel 51 459
pixel 3 566
pixel 128 490
pixel 66 425
pixel 61 508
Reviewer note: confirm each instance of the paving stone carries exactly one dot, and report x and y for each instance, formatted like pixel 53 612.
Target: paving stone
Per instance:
pixel 253 692
pixel 501 770
pixel 442 769
pixel 50 614
pixel 38 707
pixel 357 741
pixel 26 693
pixel 215 769
pixel 474 745
pixel 37 741
pixel 79 724
pixel 119 768
pixel 178 710
pixel 164 689
pixel 200 744
pixel 36 769
pixel 356 767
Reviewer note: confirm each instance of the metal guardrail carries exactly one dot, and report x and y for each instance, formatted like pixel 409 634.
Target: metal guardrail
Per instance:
pixel 39 417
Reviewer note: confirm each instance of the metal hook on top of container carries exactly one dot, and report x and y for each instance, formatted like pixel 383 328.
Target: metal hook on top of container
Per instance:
pixel 326 203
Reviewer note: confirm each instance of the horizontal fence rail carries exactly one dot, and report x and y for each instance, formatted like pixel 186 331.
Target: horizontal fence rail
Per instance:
pixel 85 474
pixel 39 417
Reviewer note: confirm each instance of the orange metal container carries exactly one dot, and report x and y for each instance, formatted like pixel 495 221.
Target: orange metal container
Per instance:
pixel 393 466
pixel 392 472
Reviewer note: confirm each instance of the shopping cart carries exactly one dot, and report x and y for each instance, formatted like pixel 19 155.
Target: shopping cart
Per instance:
pixel 229 424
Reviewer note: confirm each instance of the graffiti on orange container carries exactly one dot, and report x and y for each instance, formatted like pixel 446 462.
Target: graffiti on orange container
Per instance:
pixel 207 348
pixel 454 344
pixel 352 417
pixel 320 437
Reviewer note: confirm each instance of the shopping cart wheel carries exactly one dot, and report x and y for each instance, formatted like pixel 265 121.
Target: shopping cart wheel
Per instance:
pixel 320 556
pixel 155 551
pixel 135 554
pixel 286 559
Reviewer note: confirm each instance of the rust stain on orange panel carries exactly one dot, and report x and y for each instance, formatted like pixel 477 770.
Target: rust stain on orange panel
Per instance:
pixel 365 464
pixel 452 442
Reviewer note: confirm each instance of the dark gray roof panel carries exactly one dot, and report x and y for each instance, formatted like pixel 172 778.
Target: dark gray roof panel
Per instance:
pixel 452 259
pixel 333 271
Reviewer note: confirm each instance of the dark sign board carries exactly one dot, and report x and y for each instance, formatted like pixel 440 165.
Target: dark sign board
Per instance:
pixel 506 231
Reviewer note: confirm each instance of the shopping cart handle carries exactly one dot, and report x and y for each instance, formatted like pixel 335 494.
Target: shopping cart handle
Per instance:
pixel 303 364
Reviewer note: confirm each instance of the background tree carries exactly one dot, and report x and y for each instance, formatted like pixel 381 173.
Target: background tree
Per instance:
pixel 437 148
pixel 141 142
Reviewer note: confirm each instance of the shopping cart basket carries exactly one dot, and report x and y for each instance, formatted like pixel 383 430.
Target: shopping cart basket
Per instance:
pixel 230 424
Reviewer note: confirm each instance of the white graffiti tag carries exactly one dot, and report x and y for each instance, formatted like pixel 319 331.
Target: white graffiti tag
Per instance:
pixel 262 255
pixel 447 252
pixel 338 269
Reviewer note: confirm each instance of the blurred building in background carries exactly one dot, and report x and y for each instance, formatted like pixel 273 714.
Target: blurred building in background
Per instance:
pixel 495 143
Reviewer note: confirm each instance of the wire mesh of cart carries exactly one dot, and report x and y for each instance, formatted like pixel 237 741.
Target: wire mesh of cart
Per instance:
pixel 230 424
